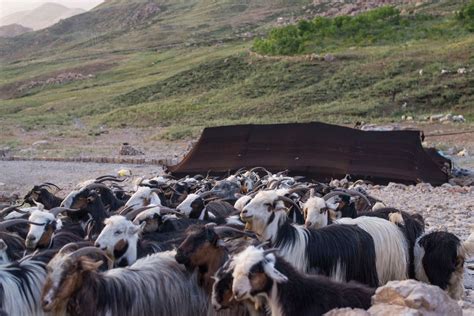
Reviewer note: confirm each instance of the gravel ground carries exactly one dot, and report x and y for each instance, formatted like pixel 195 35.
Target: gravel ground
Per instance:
pixel 20 176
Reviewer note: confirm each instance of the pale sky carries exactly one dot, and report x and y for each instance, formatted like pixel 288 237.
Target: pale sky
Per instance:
pixel 10 6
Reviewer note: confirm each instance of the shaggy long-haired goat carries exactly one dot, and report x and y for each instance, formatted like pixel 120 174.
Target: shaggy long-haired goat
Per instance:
pixel 260 273
pixel 154 285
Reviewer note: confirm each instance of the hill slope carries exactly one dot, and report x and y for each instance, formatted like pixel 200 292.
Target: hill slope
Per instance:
pixel 13 30
pixel 184 65
pixel 45 15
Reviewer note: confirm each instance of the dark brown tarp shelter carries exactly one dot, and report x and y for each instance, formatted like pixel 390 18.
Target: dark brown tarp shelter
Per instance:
pixel 315 150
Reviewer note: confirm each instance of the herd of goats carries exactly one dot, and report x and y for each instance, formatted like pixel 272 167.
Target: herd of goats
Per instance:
pixel 250 243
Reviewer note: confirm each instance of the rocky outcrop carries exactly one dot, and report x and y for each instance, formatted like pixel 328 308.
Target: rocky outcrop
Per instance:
pixel 408 298
pixel 347 7
pixel 59 79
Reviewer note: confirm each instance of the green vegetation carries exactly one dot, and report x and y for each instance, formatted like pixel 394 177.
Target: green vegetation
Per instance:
pixel 380 26
pixel 466 15
pixel 375 74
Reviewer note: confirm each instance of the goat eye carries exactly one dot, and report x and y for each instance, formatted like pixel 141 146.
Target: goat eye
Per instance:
pixel 118 232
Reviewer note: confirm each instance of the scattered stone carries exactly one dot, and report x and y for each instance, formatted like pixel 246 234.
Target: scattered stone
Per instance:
pixel 347 312
pixel 329 58
pixel 444 71
pixel 128 150
pixel 463 153
pixel 40 143
pixel 462 71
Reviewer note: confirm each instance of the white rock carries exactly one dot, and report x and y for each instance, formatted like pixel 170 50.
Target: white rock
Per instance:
pixel 347 312
pixel 40 143
pixel 410 297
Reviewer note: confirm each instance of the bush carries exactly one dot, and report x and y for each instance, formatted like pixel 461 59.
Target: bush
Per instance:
pixel 466 16
pixel 383 25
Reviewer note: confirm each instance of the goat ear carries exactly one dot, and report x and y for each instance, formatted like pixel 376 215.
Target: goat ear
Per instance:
pixel 89 265
pixel 272 272
pixel 331 206
pixel 132 230
pixel 212 236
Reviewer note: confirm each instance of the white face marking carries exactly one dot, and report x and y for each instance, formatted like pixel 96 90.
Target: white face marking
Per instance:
pixel 259 210
pixel 67 202
pixel 117 228
pixel 56 269
pixel 147 214
pixel 244 261
pixel 142 197
pixel 314 217
pixel 185 206
pixel 37 231
pixel 241 202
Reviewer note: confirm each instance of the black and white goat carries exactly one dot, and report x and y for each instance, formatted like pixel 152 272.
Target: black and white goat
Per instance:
pixel 260 273
pixel 48 231
pixel 121 239
pixel 154 285
pixel 391 246
pixel 343 252
pixel 194 206
pixel 21 283
pixel 439 260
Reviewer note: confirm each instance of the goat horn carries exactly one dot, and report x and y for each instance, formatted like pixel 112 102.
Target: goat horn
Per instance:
pixel 91 250
pixel 287 199
pixel 106 176
pixel 269 251
pixel 220 230
pixel 56 210
pixel 109 179
pixel 125 210
pixel 348 193
pixel 49 184
pixel 240 171
pixel 68 246
pixel 166 210
pixel 130 215
pixel 11 222
pixel 261 168
pixel 10 209
pixel 298 189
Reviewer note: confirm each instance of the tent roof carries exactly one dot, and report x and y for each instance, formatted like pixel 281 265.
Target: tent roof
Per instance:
pixel 316 150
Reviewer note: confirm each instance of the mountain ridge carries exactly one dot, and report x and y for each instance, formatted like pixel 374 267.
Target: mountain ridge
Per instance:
pixel 41 17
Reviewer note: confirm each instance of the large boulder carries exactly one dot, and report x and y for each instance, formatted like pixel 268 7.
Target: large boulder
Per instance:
pixel 406 298
pixel 410 297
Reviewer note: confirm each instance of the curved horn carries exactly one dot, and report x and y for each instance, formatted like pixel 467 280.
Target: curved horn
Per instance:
pixel 11 222
pixel 71 245
pixel 9 209
pixel 298 189
pixel 269 251
pixel 287 199
pixel 261 168
pixel 349 193
pixel 109 179
pixel 91 250
pixel 220 230
pixel 56 210
pixel 240 171
pixel 132 214
pixel 166 210
pixel 49 184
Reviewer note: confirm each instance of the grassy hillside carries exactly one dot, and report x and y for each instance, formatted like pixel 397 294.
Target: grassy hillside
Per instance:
pixel 187 87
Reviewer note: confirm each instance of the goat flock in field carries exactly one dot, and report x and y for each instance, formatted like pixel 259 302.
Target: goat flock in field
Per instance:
pixel 251 243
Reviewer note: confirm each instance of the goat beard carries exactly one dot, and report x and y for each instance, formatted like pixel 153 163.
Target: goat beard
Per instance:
pixel 248 225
